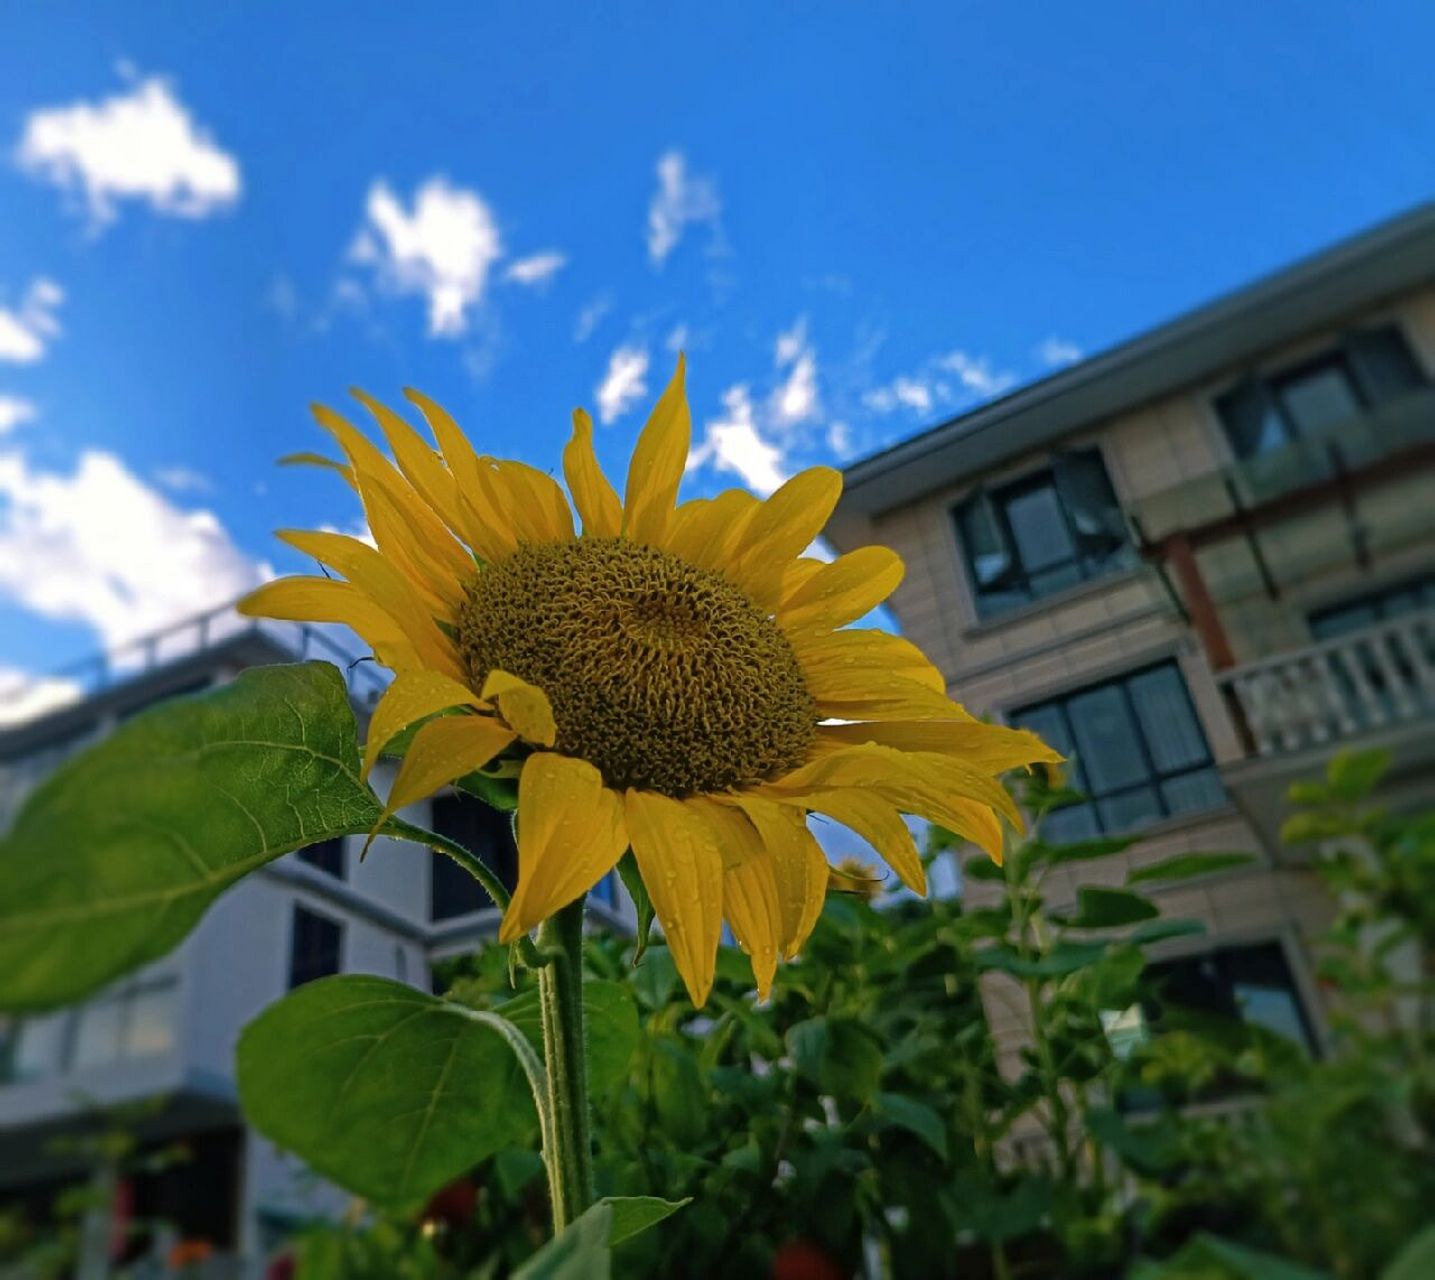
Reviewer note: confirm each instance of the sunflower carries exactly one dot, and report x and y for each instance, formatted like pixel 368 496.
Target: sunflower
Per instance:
pixel 674 678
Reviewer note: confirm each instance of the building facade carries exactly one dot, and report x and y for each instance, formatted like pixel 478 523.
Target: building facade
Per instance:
pixel 153 1056
pixel 1198 564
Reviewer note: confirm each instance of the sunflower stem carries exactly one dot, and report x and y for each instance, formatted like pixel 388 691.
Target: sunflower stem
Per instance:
pixel 569 1157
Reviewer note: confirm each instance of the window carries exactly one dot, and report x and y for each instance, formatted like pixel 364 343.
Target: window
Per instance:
pixel 481 829
pixel 1375 606
pixel 1137 751
pixel 1252 984
pixel 1043 533
pixel 134 1021
pixel 315 946
pixel 327 855
pixel 1315 399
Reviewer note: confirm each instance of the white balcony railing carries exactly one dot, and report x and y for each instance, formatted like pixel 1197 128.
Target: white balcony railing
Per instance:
pixel 1375 678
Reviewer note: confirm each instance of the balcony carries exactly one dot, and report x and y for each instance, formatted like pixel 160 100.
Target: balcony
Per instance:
pixel 1379 678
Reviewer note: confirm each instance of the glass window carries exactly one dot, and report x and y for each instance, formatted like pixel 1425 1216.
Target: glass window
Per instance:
pixel 1041 534
pixel 1316 399
pixel 327 855
pixel 1137 751
pixel 149 1030
pixel 315 946
pixel 98 1031
pixel 1375 606
pixel 38 1047
pixel 480 829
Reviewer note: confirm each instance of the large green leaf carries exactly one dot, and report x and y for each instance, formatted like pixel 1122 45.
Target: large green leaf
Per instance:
pixel 635 1214
pixel 1208 1257
pixel 917 1118
pixel 1184 866
pixel 115 858
pixel 1416 1261
pixel 1063 958
pixel 386 1090
pixel 612 1020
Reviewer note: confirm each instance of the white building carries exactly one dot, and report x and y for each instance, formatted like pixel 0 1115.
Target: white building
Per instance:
pixel 164 1037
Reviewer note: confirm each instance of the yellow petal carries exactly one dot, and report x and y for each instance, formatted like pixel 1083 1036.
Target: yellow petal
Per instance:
pixel 795 577
pixel 705 531
pixel 442 751
pixel 677 853
pixel 781 529
pixel 424 468
pixel 841 592
pixel 596 499
pixel 798 863
pixel 485 529
pixel 657 465
pixel 993 748
pixel 524 706
pixel 304 599
pixel 882 695
pixel 411 696
pixel 750 903
pixel 307 458
pixel 877 822
pixel 376 577
pixel 841 665
pixel 939 788
pixel 571 833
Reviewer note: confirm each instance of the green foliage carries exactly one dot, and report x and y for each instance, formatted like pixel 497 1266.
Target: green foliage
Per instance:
pixel 130 842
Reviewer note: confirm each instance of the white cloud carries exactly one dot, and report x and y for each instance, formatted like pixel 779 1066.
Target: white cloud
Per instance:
pixel 976 373
pixel 102 548
pixel 26 330
pixel 796 399
pixel 734 443
pixel 624 383
pixel 590 317
pixel 180 479
pixel 138 145
pixel 537 269
pixel 790 343
pixel 14 412
pixel 679 336
pixel 917 394
pixel 681 199
pixel 1055 351
pixel 442 248
pixel 839 440
pixel 25 696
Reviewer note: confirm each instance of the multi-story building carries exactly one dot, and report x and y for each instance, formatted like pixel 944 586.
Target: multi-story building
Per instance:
pixel 1199 564
pixel 153 1056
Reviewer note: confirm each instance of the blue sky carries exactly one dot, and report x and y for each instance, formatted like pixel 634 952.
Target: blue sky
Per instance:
pixel 857 220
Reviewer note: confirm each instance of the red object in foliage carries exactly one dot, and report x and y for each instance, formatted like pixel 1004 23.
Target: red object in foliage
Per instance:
pixel 803 1260
pixel 282 1268
pixel 189 1253
pixel 452 1205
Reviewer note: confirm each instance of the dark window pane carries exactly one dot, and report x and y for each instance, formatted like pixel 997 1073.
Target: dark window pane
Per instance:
pixel 1130 809
pixel 1383 363
pixel 1167 718
pixel 1090 502
pixel 1046 582
pixel 1319 399
pixel 1038 528
pixel 1252 422
pixel 1194 792
pixel 984 542
pixel 1106 739
pixel 1372 607
pixel 1252 984
pixel 315 945
pixel 482 830
pixel 327 855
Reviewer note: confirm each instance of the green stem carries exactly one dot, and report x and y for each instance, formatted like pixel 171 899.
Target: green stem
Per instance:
pixel 560 991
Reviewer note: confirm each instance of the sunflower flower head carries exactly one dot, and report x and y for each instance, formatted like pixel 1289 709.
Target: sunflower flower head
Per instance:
pixel 674 678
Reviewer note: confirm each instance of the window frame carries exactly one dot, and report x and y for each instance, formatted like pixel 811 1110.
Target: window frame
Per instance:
pixel 997 497
pixel 1154 778
pixel 1342 354
pixel 302 908
pixel 339 847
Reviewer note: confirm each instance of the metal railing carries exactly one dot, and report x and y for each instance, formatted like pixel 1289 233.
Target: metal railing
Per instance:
pixel 1380 676
pixel 195 634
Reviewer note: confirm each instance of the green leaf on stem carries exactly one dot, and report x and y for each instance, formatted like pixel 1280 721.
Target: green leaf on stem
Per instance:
pixel 917 1118
pixel 125 846
pixel 384 1089
pixel 1063 958
pixel 635 1214
pixel 1100 908
pixel 1186 866
pixel 581 1252
pixel 638 891
pixel 612 1021
pixel 838 1055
